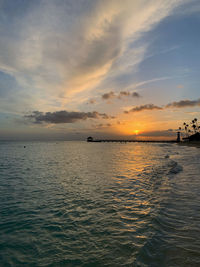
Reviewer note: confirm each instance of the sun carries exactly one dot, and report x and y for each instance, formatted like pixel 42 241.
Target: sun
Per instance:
pixel 136 132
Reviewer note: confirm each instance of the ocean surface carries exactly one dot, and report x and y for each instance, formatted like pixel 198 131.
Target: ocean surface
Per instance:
pixel 99 204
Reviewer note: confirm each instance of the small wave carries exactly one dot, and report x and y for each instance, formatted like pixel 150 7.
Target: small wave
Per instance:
pixel 168 167
pixel 175 168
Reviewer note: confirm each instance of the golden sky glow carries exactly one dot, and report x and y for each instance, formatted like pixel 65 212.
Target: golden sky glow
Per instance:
pixel 106 68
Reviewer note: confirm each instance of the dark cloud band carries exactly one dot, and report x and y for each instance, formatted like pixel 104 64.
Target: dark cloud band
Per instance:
pixel 184 104
pixel 108 95
pixel 63 116
pixel 121 94
pixel 143 107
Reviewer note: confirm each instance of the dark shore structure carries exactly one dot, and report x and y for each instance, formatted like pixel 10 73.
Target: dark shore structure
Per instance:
pixel 192 131
pixel 193 138
pixel 91 139
pixel 178 137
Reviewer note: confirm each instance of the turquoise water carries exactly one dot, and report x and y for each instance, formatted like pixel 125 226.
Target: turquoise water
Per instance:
pixel 95 204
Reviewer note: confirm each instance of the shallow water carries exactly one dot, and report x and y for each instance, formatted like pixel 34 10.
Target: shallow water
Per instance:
pixel 96 204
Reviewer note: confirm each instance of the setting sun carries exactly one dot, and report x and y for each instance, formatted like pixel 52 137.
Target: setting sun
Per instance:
pixel 136 132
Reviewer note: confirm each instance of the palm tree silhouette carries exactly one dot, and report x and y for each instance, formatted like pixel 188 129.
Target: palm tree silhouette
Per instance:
pixel 191 127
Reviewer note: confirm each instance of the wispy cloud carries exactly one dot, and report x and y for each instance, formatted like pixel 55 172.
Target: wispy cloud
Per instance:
pixel 151 81
pixel 102 125
pixel 52 53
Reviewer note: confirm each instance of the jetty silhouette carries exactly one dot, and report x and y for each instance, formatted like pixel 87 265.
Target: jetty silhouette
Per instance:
pixel 91 139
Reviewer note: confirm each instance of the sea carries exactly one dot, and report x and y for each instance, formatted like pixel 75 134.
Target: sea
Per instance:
pixel 71 203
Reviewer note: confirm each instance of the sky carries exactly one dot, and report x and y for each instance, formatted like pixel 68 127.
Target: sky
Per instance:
pixel 103 68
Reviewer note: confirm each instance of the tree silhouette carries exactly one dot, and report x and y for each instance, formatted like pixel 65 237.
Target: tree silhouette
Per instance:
pixel 193 127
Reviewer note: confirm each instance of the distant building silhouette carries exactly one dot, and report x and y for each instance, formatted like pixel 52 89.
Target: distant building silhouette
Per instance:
pixel 178 137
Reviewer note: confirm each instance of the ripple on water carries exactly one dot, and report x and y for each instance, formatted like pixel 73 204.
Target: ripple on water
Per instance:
pixel 79 204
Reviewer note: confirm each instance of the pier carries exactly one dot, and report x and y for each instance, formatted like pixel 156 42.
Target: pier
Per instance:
pixel 90 139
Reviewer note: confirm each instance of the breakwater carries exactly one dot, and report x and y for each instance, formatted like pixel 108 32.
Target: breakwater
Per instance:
pixel 90 139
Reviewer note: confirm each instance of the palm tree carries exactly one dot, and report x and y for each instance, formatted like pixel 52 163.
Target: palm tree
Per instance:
pixel 196 122
pixel 186 127
pixel 194 127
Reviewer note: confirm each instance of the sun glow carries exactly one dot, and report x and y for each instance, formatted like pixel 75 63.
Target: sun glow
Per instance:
pixel 136 132
pixel 130 128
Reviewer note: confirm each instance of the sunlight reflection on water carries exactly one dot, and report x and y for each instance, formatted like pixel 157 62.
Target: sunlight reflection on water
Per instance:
pixel 78 204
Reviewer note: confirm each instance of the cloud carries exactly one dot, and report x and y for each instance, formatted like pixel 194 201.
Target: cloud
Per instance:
pixel 63 116
pixel 143 107
pixel 109 95
pixel 124 93
pixel 135 94
pixel 180 104
pixel 184 104
pixel 102 125
pixel 139 84
pixel 128 94
pixel 91 101
pixel 60 48
pixel 120 95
